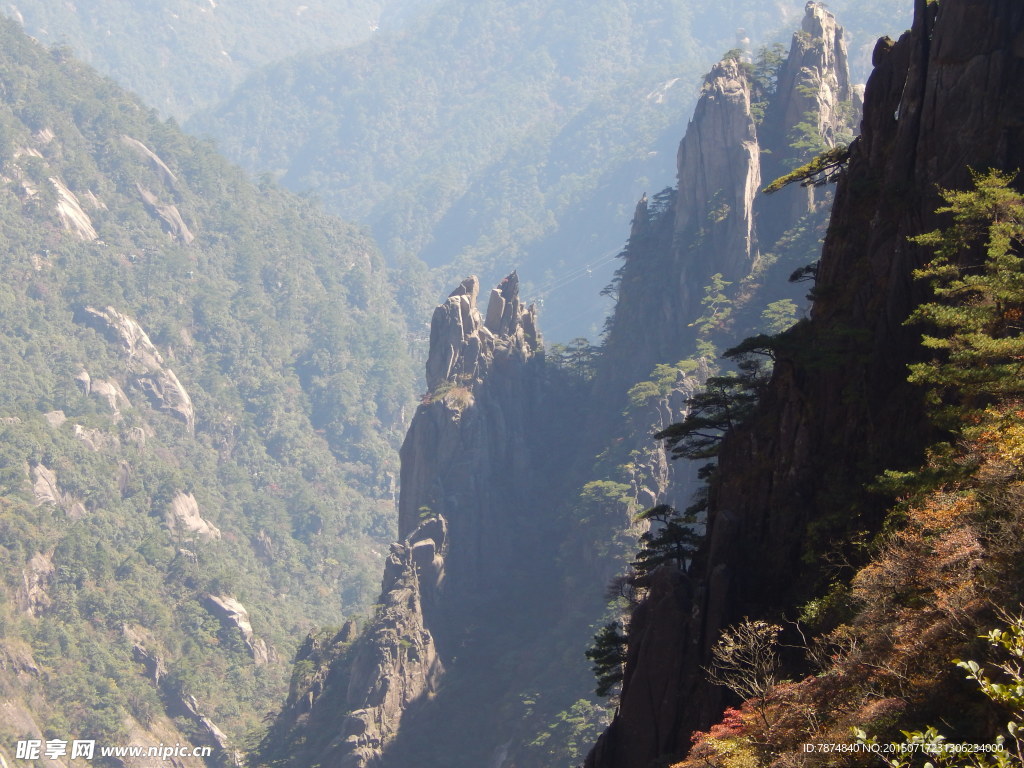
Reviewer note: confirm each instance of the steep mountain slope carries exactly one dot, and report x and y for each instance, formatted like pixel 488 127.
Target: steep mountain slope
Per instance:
pixel 182 56
pixel 790 518
pixel 204 383
pixel 495 134
pixel 509 526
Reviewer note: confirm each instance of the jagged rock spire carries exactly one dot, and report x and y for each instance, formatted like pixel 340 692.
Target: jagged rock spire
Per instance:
pixel 463 343
pixel 719 170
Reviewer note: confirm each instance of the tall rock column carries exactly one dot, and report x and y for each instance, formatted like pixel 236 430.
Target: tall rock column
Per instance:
pixel 468 539
pixel 719 171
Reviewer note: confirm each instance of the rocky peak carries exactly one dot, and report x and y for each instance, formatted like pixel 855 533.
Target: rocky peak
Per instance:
pixel 463 344
pixel 814 84
pixel 943 99
pixel 719 171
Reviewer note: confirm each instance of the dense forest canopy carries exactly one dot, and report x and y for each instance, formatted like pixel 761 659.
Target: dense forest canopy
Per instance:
pixel 205 381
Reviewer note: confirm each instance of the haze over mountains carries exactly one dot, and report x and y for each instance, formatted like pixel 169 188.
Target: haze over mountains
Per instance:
pixel 469 136
pixel 209 533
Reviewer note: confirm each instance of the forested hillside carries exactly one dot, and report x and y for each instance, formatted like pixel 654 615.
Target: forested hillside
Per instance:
pixel 204 383
pixel 184 55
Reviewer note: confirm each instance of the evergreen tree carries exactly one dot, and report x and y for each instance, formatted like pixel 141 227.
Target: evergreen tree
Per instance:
pixel 978 314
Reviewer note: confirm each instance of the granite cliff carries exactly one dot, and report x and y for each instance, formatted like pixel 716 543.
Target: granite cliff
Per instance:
pixel 838 410
pixel 753 121
pixel 475 550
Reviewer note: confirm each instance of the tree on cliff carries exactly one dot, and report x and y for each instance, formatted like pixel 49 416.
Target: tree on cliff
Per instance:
pixel 979 311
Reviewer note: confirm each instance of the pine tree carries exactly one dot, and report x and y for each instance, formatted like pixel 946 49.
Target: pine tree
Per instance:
pixel 978 314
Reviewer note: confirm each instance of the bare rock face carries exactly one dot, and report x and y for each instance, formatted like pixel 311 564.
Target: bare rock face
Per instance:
pixel 814 83
pixel 719 171
pixel 467 474
pixel 168 214
pixel 145 363
pixel 463 343
pixel 395 662
pixel 47 491
pixel 69 211
pixel 158 165
pixel 456 458
pixel 182 516
pixel 111 392
pixel 717 221
pixel 32 596
pixel 233 613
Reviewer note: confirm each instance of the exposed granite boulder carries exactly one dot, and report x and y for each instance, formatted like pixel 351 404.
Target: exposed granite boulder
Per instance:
pixel 168 214
pixel 182 516
pixel 46 490
pixel 233 613
pixel 69 211
pixel 158 165
pixel 32 597
pixel 145 363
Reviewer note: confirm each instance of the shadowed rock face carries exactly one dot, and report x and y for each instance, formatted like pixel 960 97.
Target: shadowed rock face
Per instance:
pixel 943 98
pixel 465 526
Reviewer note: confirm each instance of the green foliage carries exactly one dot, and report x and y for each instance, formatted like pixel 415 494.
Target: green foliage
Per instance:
pixel 823 168
pixel 779 316
pixel 608 655
pixel 979 311
pixel 713 412
pixel 276 320
pixel 572 733
pixel 673 538
pixel 579 357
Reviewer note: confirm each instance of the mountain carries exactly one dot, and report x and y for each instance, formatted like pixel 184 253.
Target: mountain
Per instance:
pixel 806 559
pixel 204 388
pixel 497 135
pixel 526 465
pixel 182 56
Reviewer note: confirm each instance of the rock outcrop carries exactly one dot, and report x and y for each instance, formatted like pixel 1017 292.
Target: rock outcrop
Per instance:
pixel 395 662
pixel 814 84
pixel 463 343
pixel 233 614
pixel 32 596
pixel 716 222
pixel 181 516
pixel 168 214
pixel 719 169
pixel 472 549
pixel 145 364
pixel 69 211
pixel 46 490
